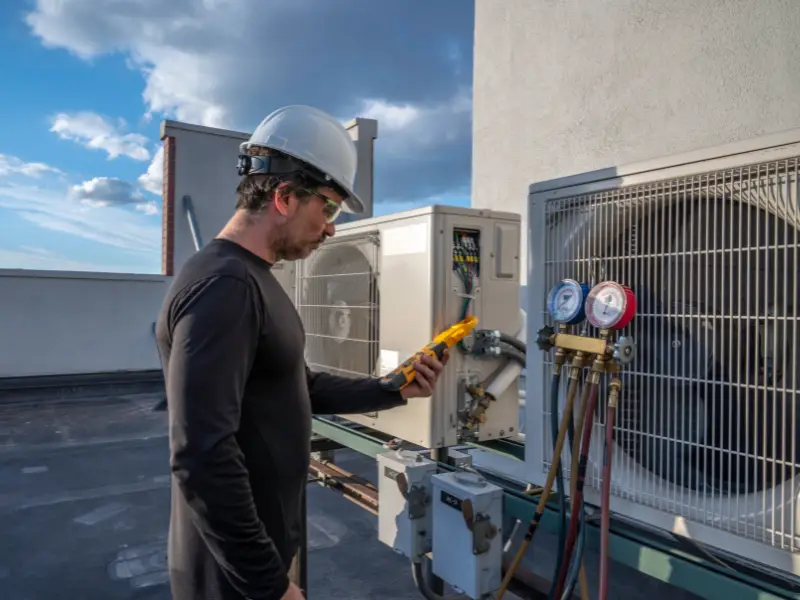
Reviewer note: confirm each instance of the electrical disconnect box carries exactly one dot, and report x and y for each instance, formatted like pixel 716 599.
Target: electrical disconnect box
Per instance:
pixel 467 540
pixel 404 513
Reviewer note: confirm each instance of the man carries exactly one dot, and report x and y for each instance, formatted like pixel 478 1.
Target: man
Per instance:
pixel 239 394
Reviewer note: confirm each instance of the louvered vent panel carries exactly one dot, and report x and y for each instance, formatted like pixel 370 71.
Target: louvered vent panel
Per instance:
pixel 338 302
pixel 708 419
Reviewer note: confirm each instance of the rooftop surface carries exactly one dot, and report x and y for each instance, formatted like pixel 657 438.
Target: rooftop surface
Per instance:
pixel 84 510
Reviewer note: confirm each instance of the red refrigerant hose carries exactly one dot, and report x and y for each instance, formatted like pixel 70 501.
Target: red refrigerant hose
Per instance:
pixel 605 509
pixel 588 425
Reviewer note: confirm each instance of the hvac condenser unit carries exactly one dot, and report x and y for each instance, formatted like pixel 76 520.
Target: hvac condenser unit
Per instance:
pixel 707 435
pixel 383 287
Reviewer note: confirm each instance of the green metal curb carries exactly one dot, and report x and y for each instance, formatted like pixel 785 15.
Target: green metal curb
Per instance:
pixel 646 555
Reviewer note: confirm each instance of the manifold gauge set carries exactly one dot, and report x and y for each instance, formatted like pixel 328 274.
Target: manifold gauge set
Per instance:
pixel 608 305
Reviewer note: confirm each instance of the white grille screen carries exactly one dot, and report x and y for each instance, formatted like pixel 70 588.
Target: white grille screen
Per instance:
pixel 707 422
pixel 337 299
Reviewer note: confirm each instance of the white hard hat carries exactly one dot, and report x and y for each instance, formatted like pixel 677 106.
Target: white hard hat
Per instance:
pixel 315 138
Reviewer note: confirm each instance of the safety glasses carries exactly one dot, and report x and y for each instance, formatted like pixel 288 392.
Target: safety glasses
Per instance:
pixel 331 208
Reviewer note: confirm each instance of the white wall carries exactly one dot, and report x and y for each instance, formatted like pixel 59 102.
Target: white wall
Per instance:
pixel 571 86
pixel 55 323
pixel 204 169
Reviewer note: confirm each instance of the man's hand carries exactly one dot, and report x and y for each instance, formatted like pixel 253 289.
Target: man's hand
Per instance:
pixel 428 370
pixel 293 593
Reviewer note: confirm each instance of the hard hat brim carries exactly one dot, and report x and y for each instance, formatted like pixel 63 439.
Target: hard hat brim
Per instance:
pixel 353 204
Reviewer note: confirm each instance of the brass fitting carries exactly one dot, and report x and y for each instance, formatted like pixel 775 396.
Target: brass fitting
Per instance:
pixel 561 355
pixel 576 366
pixel 614 388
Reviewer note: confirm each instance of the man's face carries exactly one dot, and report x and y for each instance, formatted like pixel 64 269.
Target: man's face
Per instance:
pixel 308 222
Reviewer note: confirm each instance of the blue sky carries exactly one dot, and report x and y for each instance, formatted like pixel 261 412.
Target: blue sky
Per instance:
pixel 87 83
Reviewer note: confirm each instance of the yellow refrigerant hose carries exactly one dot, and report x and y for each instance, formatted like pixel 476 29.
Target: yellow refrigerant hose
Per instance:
pixel 574 377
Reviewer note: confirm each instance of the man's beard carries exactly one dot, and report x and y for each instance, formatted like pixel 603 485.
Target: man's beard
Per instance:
pixel 285 251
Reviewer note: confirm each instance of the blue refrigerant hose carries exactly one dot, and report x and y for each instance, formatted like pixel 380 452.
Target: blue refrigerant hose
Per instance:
pixel 555 384
pixel 575 567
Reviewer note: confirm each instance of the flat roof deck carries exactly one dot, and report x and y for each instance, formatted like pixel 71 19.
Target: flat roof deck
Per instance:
pixel 84 510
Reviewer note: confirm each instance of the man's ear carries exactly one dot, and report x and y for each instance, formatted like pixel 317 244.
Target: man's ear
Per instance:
pixel 281 198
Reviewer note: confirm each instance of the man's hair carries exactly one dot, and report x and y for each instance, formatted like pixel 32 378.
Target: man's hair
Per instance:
pixel 256 192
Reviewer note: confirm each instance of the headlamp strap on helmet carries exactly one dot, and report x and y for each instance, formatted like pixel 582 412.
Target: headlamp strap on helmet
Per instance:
pixel 282 165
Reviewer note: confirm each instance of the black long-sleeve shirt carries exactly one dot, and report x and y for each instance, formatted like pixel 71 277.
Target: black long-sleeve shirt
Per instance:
pixel 240 398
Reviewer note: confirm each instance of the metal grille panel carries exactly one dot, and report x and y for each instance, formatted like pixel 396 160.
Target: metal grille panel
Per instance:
pixel 707 422
pixel 338 302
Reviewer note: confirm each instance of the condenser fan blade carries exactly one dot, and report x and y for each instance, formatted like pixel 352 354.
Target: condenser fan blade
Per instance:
pixel 703 393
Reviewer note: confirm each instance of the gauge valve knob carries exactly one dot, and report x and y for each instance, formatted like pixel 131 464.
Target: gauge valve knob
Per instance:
pixel 624 350
pixel 544 338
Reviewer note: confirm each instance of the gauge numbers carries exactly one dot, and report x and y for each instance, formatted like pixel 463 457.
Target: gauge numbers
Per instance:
pixel 566 301
pixel 610 305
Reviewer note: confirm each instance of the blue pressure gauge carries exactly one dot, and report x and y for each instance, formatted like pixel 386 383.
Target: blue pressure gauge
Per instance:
pixel 566 302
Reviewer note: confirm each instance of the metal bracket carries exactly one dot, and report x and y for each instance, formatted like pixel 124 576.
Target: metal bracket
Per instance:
pixel 416 496
pixel 481 526
pixel 193 227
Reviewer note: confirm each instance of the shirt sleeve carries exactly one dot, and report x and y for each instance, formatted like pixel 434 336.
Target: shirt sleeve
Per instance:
pixel 331 394
pixel 214 341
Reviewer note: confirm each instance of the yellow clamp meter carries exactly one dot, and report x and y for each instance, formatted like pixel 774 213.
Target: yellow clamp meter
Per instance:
pixel 405 373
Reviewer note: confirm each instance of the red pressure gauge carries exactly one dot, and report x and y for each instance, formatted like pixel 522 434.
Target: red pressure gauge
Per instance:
pixel 610 305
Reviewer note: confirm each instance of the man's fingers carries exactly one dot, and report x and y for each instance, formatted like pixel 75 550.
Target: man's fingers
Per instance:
pixel 434 364
pixel 426 371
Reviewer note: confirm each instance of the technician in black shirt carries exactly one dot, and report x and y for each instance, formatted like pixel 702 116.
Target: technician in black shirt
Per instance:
pixel 240 396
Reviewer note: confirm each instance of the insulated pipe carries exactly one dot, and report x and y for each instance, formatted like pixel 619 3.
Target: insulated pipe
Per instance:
pixel 509 374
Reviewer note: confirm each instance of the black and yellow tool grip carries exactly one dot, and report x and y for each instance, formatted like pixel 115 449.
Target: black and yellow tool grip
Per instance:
pixel 406 373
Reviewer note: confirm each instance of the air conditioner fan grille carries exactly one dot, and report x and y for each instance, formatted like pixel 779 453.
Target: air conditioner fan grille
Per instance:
pixel 708 421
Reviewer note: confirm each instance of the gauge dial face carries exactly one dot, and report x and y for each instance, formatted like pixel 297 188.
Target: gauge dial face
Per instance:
pixel 606 305
pixel 566 301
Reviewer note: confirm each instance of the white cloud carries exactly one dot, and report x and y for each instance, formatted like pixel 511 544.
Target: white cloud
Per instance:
pixel 108 191
pixel 148 208
pixel 153 179
pixel 222 64
pixel 31 257
pixel 98 133
pixel 111 225
pixel 12 165
pixel 104 191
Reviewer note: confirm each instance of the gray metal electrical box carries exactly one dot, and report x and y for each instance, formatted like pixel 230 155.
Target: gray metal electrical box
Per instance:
pixel 467 536
pixel 404 513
